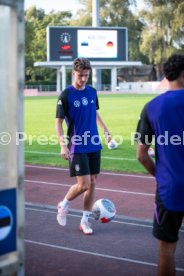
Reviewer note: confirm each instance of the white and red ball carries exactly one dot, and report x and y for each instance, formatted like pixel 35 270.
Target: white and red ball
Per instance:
pixel 151 152
pixel 112 145
pixel 104 210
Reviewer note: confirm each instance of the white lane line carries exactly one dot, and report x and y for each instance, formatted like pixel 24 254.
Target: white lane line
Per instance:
pixel 79 216
pixel 48 183
pixel 104 157
pixel 113 221
pixel 90 253
pixel 105 173
pixel 95 254
pixel 97 188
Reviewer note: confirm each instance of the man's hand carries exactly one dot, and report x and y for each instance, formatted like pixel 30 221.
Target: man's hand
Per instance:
pixel 65 153
pixel 145 159
pixel 107 136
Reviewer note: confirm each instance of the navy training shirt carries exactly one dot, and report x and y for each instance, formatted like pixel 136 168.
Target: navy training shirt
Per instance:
pixel 78 108
pixel 164 117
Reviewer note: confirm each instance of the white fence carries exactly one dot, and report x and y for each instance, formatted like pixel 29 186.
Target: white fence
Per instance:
pixel 154 87
pixel 141 87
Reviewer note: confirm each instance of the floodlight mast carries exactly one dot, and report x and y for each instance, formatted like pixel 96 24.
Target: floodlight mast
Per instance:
pixel 96 73
pixel 96 13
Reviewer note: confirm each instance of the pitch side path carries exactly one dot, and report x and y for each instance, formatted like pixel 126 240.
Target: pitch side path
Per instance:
pixel 123 247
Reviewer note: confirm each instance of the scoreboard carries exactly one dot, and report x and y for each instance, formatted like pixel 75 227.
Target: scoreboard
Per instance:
pixel 97 44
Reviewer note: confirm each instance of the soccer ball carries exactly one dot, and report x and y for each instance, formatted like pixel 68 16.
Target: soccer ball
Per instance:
pixel 103 210
pixel 112 144
pixel 151 152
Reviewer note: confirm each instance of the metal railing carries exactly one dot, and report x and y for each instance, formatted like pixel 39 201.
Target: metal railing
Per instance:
pixel 42 87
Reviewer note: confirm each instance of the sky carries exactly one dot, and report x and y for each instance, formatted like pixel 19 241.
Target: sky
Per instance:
pixel 61 5
pixel 57 5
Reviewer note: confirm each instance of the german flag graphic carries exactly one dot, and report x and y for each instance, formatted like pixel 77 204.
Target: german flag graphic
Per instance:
pixel 110 44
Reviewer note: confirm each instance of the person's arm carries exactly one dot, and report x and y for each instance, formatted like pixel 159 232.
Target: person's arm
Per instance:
pixel 65 154
pixel 103 126
pixel 145 159
pixel 144 137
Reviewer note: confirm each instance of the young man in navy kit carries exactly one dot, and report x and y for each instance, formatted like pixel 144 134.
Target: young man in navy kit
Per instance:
pixel 78 105
pixel 163 117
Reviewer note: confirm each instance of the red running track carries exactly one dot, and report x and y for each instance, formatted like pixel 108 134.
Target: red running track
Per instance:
pixel 123 247
pixel 132 194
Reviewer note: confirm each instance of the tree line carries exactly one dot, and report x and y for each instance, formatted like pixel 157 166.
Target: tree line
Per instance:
pixel 154 32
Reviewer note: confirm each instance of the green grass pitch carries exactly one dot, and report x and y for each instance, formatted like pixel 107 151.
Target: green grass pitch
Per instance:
pixel 120 112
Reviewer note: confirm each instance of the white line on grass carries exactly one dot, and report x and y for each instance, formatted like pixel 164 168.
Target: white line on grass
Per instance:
pixel 94 254
pixel 55 153
pixel 97 188
pixel 105 173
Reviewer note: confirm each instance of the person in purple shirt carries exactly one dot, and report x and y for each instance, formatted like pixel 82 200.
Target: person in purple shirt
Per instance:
pixel 77 105
pixel 163 119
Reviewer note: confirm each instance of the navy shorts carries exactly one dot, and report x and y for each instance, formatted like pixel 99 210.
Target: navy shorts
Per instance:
pixel 85 163
pixel 166 223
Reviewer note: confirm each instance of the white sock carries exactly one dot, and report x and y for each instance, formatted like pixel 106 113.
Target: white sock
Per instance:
pixel 86 215
pixel 65 203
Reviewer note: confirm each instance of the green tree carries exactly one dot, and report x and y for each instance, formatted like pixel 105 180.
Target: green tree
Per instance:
pixel 117 13
pixel 114 13
pixel 36 22
pixel 163 32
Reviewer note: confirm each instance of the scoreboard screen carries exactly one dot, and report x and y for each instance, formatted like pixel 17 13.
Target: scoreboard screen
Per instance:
pixel 97 44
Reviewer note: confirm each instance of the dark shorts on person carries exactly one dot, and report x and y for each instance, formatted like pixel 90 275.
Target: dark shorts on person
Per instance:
pixel 85 163
pixel 166 224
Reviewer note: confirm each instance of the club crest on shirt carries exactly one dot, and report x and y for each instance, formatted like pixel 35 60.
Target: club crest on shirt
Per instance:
pixel 77 167
pixel 84 101
pixel 76 103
